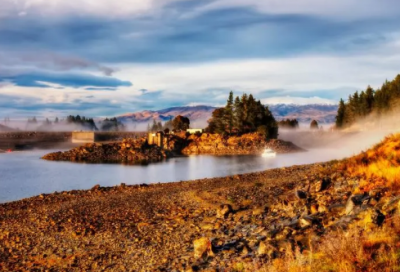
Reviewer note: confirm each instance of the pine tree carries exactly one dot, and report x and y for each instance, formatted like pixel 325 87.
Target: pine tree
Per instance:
pixel 229 118
pixel 248 115
pixel 340 118
pixel 314 124
pixel 238 114
pixel 251 114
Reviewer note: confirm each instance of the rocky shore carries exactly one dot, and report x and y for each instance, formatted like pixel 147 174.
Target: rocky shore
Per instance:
pixel 248 222
pixel 128 151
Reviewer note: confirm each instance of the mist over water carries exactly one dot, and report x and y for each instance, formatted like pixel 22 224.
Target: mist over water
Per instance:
pixel 24 174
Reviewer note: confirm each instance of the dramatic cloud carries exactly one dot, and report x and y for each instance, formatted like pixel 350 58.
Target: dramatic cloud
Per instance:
pixel 61 53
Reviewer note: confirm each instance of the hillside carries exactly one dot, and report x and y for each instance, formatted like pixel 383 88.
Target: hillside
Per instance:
pixel 371 105
pixel 304 113
pixel 5 128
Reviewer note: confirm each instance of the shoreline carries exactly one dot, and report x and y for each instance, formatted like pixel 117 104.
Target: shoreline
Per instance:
pixel 158 221
pixel 212 224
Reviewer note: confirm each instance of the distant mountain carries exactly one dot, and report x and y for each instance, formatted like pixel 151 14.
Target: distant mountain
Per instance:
pixel 305 113
pixel 200 114
pixel 194 113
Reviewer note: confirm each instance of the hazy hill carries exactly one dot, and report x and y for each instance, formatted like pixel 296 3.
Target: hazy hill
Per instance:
pixel 304 113
pixel 5 128
pixel 195 113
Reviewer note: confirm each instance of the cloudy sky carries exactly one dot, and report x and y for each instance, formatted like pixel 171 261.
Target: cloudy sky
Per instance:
pixel 108 57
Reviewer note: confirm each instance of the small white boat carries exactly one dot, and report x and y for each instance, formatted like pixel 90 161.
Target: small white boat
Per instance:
pixel 268 153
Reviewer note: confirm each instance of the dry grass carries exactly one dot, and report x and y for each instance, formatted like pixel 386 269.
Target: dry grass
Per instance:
pixel 351 251
pixel 377 167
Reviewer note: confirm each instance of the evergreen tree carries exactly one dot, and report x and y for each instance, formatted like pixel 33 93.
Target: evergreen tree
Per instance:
pixel 216 124
pixel 369 98
pixel 314 124
pixel 248 115
pixel 370 101
pixel 229 116
pixel 341 114
pixel 238 114
pixel 181 123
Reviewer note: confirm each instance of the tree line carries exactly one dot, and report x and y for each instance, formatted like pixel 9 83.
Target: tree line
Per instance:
pixel 179 123
pixel 243 115
pixel 288 124
pixel 361 104
pixel 83 121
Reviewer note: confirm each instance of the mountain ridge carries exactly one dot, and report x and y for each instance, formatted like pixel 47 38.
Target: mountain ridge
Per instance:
pixel 323 113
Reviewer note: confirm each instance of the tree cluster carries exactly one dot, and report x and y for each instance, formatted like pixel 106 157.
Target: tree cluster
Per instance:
pixel 362 104
pixel 179 123
pixel 83 121
pixel 111 124
pixel 32 121
pixel 243 115
pixel 288 124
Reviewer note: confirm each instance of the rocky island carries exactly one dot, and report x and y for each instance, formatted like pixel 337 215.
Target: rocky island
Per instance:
pixel 130 151
pixel 336 216
pixel 139 151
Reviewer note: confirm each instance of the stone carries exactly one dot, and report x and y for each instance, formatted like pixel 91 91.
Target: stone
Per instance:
pixel 202 247
pixel 224 211
pixel 262 249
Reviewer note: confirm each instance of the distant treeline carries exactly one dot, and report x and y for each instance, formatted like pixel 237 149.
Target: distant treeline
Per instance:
pixel 77 122
pixel 288 123
pixel 361 104
pixel 87 123
pixel 111 124
pixel 243 115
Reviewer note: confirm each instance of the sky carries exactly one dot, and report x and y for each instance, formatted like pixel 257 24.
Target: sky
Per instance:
pixel 105 58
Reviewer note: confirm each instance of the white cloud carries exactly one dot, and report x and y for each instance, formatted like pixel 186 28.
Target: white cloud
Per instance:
pixel 186 82
pixel 106 8
pixel 306 73
pixel 339 9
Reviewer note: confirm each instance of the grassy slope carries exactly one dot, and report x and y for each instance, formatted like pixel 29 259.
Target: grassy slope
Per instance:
pixel 361 246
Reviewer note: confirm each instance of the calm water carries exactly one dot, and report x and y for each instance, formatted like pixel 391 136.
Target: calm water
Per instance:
pixel 23 174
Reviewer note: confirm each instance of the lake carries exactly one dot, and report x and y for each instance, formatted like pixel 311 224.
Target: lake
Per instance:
pixel 24 174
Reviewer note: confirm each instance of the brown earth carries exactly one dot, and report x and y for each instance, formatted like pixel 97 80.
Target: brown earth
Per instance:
pixel 238 223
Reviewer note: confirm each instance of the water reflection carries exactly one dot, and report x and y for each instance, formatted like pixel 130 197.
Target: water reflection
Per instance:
pixel 24 174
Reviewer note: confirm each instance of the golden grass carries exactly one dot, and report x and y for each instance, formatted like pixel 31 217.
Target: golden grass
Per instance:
pixel 350 251
pixel 379 166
